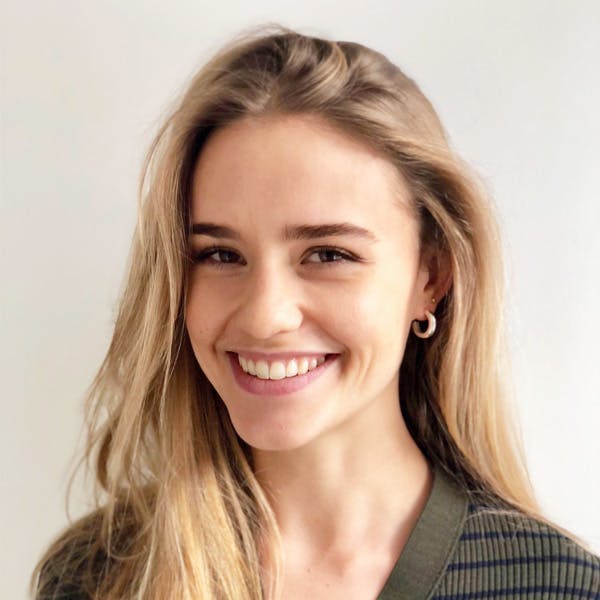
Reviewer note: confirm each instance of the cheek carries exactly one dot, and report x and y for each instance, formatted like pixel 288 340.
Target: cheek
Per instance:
pixel 385 301
pixel 369 315
pixel 202 325
pixel 201 316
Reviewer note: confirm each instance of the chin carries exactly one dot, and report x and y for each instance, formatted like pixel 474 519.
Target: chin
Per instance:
pixel 272 437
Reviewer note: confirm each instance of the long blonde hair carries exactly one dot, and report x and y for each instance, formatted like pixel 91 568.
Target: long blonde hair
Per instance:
pixel 180 513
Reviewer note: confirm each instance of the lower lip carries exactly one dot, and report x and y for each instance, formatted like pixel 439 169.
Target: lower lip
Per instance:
pixel 276 387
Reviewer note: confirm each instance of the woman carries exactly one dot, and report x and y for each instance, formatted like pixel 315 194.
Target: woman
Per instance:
pixel 304 396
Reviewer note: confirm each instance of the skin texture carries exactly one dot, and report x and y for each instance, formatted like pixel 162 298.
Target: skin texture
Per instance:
pixel 346 478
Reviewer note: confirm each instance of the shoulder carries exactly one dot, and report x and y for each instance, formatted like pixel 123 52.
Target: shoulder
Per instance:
pixel 508 554
pixel 62 569
pixel 78 560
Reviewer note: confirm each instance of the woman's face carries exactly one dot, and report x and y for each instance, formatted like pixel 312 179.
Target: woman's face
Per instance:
pixel 315 254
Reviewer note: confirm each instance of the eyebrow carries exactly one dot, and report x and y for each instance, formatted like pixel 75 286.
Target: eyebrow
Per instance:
pixel 295 232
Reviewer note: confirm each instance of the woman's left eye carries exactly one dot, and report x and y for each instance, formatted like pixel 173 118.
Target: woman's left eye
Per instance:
pixel 330 255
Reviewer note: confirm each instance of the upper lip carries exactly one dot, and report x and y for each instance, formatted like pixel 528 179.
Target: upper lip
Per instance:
pixel 271 356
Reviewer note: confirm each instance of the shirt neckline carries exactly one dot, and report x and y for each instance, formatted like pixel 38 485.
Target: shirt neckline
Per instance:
pixel 427 552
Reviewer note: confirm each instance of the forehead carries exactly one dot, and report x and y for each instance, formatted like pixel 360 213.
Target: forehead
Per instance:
pixel 295 169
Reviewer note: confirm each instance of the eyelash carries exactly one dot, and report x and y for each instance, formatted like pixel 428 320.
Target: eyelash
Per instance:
pixel 203 256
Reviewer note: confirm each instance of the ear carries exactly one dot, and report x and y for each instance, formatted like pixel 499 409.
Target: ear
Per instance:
pixel 435 280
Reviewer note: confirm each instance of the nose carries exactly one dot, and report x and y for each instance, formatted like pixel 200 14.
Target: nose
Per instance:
pixel 269 304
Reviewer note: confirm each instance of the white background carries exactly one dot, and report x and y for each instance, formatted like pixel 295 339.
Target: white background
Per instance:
pixel 84 83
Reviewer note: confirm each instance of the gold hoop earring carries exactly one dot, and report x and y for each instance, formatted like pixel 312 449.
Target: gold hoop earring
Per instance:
pixel 431 325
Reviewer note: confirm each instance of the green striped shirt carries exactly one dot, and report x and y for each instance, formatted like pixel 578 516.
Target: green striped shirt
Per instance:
pixel 459 551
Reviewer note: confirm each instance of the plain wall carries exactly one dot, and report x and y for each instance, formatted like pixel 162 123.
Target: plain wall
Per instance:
pixel 83 86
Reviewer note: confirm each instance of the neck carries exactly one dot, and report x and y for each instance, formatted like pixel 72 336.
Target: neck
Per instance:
pixel 349 492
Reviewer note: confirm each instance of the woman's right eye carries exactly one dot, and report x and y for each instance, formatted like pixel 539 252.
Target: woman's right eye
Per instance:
pixel 206 256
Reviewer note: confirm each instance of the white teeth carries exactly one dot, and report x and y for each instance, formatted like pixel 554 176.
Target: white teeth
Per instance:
pixel 277 370
pixel 280 369
pixel 292 368
pixel 262 369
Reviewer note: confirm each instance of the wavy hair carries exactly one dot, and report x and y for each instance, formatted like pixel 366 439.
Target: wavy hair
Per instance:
pixel 180 513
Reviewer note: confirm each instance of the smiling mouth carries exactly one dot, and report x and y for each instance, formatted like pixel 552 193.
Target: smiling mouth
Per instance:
pixel 280 369
pixel 276 381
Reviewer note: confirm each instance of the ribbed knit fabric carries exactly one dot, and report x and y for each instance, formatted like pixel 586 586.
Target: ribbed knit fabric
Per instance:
pixel 500 556
pixel 459 550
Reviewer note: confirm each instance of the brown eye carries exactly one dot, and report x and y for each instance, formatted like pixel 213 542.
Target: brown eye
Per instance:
pixel 225 256
pixel 330 255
